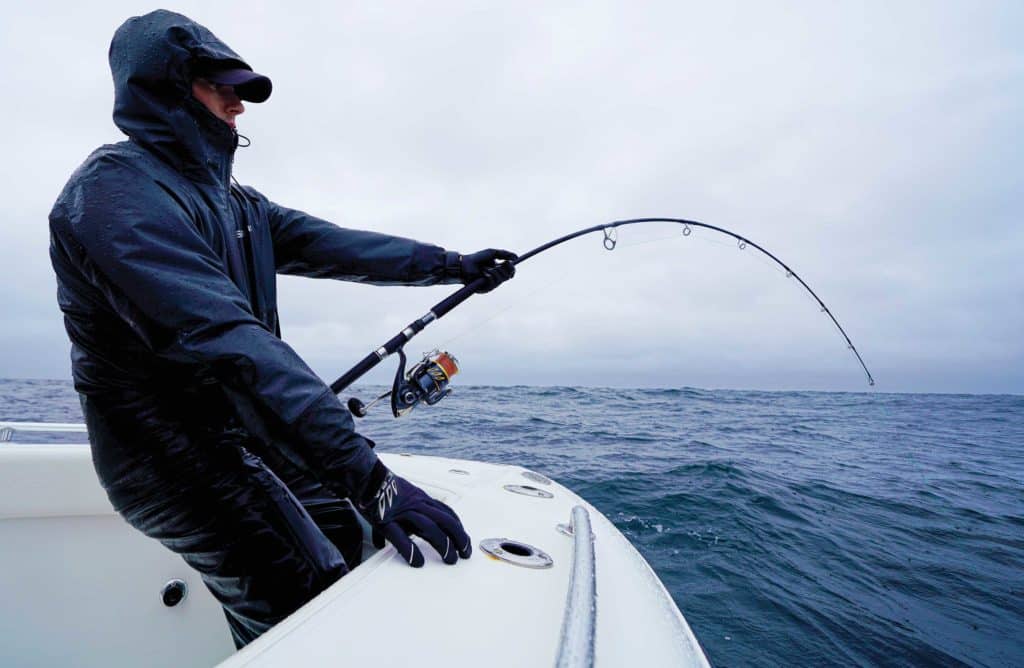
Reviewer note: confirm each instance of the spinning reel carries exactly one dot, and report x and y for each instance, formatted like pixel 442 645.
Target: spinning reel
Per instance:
pixel 427 381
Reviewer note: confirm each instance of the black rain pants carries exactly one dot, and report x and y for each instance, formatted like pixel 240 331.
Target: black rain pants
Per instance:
pixel 265 536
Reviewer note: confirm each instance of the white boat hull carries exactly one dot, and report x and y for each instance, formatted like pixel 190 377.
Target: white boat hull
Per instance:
pixel 83 588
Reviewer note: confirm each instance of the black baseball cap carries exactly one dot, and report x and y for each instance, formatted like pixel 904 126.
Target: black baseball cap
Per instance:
pixel 249 85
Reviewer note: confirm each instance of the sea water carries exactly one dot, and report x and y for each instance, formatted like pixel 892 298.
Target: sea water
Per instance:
pixel 792 528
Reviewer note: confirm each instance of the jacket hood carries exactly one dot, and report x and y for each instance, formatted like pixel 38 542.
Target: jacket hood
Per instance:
pixel 152 60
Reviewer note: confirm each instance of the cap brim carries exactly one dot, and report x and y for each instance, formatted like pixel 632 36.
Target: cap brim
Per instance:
pixel 249 85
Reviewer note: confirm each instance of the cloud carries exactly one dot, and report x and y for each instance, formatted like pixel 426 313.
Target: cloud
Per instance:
pixel 873 147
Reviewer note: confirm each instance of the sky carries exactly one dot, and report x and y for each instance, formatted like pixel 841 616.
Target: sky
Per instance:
pixel 875 147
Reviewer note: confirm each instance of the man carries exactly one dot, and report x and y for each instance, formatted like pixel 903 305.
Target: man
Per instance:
pixel 208 432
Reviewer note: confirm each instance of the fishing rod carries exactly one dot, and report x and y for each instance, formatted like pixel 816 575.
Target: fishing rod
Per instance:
pixel 428 380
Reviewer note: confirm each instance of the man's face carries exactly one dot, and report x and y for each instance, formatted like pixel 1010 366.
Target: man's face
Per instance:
pixel 220 99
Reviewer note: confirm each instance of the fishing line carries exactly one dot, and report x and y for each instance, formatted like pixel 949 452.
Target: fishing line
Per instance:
pixel 634 244
pixel 543 287
pixel 508 307
pixel 428 380
pixel 741 242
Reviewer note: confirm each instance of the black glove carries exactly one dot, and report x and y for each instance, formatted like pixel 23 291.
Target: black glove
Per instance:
pixel 484 264
pixel 397 509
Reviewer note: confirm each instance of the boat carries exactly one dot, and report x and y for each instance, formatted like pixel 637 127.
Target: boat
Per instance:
pixel 551 582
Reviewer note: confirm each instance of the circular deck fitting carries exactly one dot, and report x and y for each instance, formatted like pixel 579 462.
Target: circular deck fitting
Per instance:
pixel 174 592
pixel 526 490
pixel 516 553
pixel 537 477
pixel 564 529
pixel 458 471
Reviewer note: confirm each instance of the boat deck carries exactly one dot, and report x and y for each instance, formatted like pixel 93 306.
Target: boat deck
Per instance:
pixel 102 581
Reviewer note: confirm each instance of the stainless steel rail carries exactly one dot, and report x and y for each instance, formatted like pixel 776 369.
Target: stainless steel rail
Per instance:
pixel 7 429
pixel 576 646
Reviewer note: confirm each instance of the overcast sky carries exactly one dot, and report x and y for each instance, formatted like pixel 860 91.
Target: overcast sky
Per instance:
pixel 874 146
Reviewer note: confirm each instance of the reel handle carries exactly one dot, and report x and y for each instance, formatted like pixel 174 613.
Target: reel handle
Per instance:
pixel 356 407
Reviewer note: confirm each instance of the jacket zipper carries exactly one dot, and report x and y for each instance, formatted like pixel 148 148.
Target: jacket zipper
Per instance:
pixel 243 232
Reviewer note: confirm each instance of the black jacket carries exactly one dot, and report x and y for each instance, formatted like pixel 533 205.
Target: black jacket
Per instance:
pixel 166 272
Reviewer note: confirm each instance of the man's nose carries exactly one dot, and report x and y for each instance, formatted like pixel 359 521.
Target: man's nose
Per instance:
pixel 235 105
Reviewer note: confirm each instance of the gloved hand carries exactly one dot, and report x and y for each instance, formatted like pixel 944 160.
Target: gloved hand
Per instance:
pixel 397 509
pixel 484 263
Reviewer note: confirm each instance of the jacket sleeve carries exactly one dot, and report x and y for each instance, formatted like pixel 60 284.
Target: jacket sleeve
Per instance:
pixel 309 246
pixel 165 281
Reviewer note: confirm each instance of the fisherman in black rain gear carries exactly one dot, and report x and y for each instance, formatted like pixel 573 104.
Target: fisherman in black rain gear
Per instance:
pixel 208 432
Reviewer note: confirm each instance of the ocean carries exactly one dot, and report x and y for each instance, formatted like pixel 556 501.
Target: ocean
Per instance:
pixel 791 528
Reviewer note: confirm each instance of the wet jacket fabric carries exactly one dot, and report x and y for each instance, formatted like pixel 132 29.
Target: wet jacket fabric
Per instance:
pixel 166 278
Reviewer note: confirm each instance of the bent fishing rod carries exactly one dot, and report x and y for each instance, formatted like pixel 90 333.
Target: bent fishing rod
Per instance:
pixel 428 380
